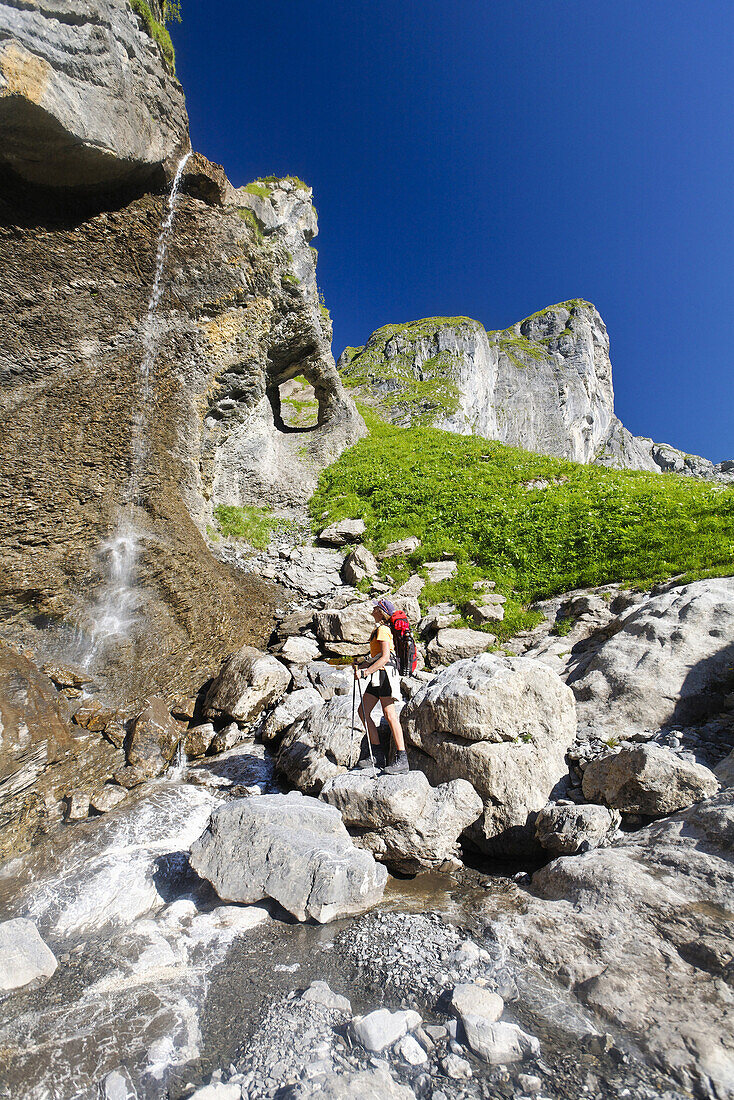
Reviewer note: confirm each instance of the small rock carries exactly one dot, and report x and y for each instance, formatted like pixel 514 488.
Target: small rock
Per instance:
pixel 299 651
pixel 438 571
pixel 342 532
pixel 472 1000
pixel 411 1051
pixel 402 547
pixel 117 1085
pixel 319 993
pixel 198 739
pixel 24 957
pixel 380 1029
pixel 455 1067
pixel 229 737
pixel 529 1083
pixel 499 1043
pixel 107 798
pixel 218 1090
pixel 78 806
pixel 360 565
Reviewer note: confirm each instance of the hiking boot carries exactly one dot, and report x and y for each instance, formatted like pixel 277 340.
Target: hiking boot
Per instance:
pixel 364 757
pixel 400 765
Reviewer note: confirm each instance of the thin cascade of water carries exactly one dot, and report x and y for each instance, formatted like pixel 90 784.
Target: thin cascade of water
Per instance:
pixel 115 612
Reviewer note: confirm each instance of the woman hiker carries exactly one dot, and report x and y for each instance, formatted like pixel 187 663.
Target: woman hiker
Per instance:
pixel 383 683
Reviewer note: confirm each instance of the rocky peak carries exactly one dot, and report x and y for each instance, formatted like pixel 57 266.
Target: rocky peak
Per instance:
pixel 544 384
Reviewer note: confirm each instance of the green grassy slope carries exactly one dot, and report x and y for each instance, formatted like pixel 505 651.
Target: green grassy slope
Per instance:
pixel 475 499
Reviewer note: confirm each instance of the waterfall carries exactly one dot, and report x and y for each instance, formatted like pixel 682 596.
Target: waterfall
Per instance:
pixel 115 613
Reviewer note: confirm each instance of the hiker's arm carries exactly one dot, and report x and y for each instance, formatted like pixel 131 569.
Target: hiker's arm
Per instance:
pixel 379 662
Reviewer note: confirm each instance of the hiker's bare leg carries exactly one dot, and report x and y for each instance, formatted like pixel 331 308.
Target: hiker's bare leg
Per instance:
pixel 365 711
pixel 388 708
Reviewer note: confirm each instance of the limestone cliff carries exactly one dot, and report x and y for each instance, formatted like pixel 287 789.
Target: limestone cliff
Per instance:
pixel 88 101
pixel 239 316
pixel 544 384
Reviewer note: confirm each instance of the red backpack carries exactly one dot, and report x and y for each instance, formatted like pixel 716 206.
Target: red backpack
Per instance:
pixel 406 651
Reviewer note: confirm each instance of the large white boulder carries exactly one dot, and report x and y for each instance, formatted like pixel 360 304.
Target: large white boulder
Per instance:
pixel 290 848
pixel 248 682
pixel 504 724
pixel 402 820
pixel 647 779
pixel 669 663
pixel 24 957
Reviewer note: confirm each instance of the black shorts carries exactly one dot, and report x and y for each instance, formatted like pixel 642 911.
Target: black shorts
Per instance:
pixel 385 684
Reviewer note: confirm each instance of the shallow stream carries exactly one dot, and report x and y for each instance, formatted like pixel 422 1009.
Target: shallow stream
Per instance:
pixel 156 975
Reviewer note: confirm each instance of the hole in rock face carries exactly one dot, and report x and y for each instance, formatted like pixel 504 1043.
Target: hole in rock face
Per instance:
pixel 299 407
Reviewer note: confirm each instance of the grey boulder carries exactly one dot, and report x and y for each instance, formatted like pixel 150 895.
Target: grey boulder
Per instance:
pixel 669 663
pixel 293 707
pixel 24 957
pixel 563 829
pixel 320 745
pixel 455 644
pixel 359 565
pixel 504 724
pixel 290 848
pixel 402 820
pixel 353 623
pixel 248 682
pixel 647 779
pixel 155 735
pixel 493 1040
pixel 346 530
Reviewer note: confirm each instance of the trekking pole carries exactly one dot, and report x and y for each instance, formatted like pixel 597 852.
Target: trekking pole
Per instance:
pixel 354 703
pixel 369 743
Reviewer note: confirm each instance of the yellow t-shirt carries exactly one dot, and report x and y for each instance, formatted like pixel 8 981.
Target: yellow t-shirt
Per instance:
pixel 379 635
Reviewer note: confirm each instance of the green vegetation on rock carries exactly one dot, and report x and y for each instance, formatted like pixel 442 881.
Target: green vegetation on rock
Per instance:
pixel 251 218
pixel 256 188
pixel 299 184
pixel 244 522
pixel 158 31
pixel 470 498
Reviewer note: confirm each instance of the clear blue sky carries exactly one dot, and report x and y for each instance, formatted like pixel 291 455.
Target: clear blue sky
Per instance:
pixel 492 157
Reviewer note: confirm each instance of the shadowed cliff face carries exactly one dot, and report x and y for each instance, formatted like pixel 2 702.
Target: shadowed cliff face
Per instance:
pixel 88 102
pixel 230 327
